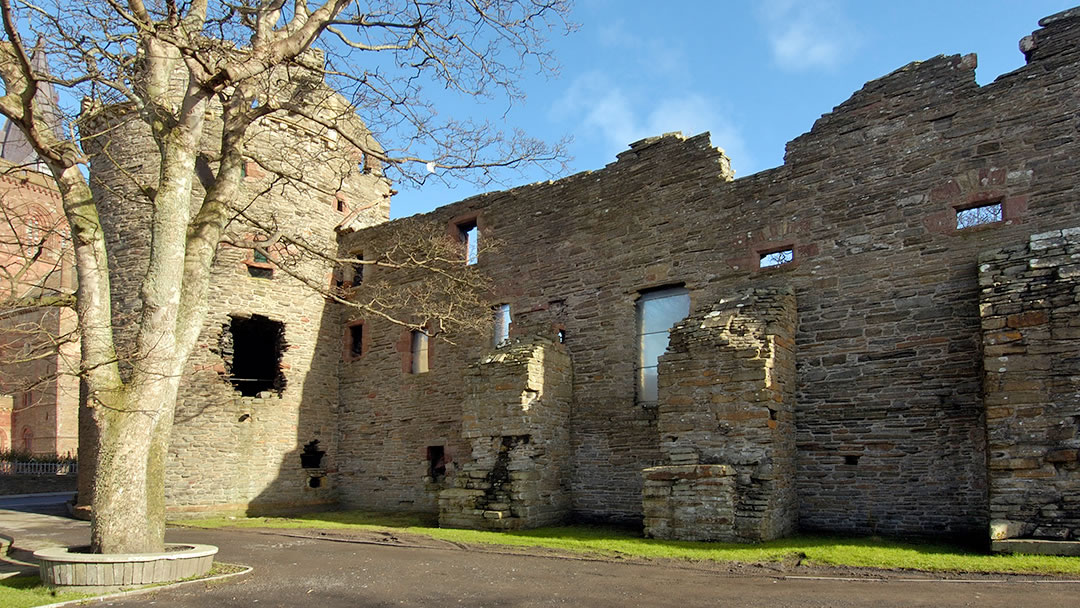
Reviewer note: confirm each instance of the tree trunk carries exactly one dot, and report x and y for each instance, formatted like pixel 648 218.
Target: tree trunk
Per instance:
pixel 128 505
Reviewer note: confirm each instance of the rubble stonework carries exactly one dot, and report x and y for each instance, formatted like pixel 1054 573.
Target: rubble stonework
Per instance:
pixel 516 417
pixel 889 424
pixel 727 398
pixel 229 451
pixel 1030 309
pixel 841 390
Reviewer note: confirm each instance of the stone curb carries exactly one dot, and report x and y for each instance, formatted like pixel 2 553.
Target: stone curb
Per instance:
pixel 142 590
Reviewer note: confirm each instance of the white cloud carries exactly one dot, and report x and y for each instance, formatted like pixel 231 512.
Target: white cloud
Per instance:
pixel 619 117
pixel 813 34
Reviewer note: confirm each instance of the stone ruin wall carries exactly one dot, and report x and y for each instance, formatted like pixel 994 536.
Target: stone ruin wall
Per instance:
pixel 1030 310
pixel 726 421
pixel 516 418
pixel 890 426
pixel 230 452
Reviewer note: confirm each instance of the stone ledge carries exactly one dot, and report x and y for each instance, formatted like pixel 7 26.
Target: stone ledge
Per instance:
pixel 1068 548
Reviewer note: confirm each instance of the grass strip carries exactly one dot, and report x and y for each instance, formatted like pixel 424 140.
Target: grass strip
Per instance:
pixel 27 591
pixel 871 552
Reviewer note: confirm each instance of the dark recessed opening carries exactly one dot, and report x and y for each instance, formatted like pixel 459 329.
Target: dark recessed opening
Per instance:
pixel 436 458
pixel 358 270
pixel 340 206
pixel 356 340
pixel 253 357
pixel 561 335
pixel 851 460
pixel 315 482
pixel 258 272
pixel 311 457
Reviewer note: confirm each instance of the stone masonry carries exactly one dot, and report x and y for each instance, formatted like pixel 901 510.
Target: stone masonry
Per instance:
pixel 1030 309
pixel 834 372
pixel 516 417
pixel 870 210
pixel 727 424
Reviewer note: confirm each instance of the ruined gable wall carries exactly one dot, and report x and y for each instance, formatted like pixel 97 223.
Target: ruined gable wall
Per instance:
pixel 888 368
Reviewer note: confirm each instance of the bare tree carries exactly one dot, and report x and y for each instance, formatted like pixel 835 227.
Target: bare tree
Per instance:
pixel 172 64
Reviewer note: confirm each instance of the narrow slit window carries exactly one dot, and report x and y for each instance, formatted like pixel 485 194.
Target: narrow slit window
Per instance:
pixel 502 324
pixel 657 312
pixel 356 340
pixel 469 234
pixel 776 258
pixel 358 270
pixel 419 352
pixel 978 216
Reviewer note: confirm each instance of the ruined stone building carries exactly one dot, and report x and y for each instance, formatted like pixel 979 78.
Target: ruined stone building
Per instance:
pixel 880 335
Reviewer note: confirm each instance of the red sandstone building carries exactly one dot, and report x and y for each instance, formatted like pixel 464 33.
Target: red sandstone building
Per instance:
pixel 38 343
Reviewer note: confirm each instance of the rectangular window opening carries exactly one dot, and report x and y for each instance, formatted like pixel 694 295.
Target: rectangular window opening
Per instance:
pixel 358 270
pixel 258 272
pixel 356 340
pixel 977 216
pixel 502 324
pixel 776 258
pixel 436 459
pixel 252 349
pixel 657 312
pixel 469 234
pixel 419 350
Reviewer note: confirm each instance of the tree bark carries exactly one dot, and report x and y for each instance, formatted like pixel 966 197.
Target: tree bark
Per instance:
pixel 129 479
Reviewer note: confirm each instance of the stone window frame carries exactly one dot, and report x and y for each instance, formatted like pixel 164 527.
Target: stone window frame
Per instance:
pixel 27 439
pixel 252 263
pixel 644 295
pixel 339 203
pixel 499 321
pixel 419 352
pixel 348 353
pixel 458 228
pixel 982 201
pixel 765 249
pixel 403 347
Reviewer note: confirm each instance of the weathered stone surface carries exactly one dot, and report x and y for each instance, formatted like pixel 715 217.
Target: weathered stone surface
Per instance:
pixel 889 419
pixel 1033 391
pixel 742 416
pixel 516 417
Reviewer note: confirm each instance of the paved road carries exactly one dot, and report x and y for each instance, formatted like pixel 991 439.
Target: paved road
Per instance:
pixel 387 570
pixel 314 572
pixel 52 503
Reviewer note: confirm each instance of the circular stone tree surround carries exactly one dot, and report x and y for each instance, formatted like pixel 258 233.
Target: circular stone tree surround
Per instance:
pixel 73 569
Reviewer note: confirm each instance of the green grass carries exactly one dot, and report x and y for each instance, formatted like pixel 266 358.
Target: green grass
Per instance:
pixel 871 552
pixel 25 591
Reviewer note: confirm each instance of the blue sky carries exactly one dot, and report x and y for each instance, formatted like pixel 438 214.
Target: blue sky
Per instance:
pixel 754 74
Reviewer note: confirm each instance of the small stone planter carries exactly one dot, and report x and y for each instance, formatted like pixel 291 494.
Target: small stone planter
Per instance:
pixel 67 569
